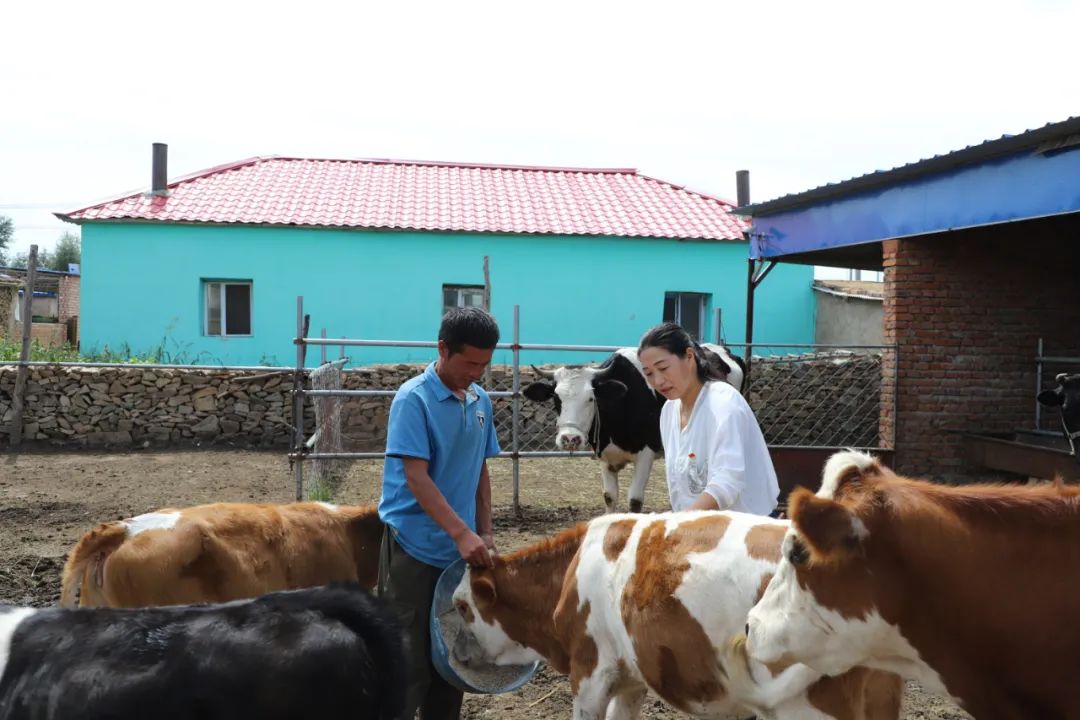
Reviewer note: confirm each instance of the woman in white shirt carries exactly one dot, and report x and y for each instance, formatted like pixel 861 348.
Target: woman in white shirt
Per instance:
pixel 716 456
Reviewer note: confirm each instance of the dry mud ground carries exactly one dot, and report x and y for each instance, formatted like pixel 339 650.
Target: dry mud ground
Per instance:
pixel 47 500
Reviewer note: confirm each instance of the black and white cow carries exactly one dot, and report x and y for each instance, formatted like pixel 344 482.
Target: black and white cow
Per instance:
pixel 613 409
pixel 1066 398
pixel 329 652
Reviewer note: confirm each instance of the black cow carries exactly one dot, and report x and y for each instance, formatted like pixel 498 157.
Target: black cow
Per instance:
pixel 613 409
pixel 321 653
pixel 1066 398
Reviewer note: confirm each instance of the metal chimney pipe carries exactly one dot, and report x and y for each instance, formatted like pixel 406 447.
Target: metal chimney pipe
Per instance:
pixel 742 187
pixel 160 178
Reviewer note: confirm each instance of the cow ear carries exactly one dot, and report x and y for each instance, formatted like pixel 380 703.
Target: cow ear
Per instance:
pixel 539 391
pixel 1050 398
pixel 610 389
pixel 828 528
pixel 483 590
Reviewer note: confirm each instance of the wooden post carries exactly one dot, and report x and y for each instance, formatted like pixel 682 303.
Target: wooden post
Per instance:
pixel 15 431
pixel 487 285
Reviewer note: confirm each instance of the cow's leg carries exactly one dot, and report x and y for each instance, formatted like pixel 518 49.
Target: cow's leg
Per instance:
pixel 610 475
pixel 642 467
pixel 626 705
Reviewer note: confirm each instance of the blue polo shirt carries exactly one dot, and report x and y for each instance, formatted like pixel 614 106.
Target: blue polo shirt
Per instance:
pixel 455 436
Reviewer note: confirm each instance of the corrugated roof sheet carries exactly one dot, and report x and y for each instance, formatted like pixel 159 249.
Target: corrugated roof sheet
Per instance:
pixel 868 289
pixel 420 195
pixel 1045 139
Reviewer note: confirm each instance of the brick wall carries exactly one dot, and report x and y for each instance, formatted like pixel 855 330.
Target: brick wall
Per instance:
pixel 9 293
pixel 50 335
pixel 69 297
pixel 967 310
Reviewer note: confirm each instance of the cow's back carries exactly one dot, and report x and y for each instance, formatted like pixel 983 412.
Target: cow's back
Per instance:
pixel 669 589
pixel 225 551
pixel 320 653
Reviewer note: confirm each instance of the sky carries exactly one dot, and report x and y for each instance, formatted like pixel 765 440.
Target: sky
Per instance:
pixel 798 93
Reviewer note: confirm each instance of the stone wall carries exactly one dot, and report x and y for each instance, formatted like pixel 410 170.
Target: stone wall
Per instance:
pixel 825 398
pixel 133 406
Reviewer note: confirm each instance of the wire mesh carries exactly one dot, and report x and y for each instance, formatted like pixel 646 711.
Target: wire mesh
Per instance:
pixel 802 396
pixel 819 397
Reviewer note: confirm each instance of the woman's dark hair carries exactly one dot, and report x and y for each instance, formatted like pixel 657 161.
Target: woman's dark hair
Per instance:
pixel 468 326
pixel 673 338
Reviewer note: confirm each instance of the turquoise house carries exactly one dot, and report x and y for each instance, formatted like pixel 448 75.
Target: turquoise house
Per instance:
pixel 210 265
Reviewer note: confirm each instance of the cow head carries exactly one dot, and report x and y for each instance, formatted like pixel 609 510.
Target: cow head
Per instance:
pixel 824 605
pixel 1066 398
pixel 483 639
pixel 578 392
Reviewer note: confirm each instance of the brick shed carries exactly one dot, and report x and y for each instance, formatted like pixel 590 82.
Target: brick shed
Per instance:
pixel 980 249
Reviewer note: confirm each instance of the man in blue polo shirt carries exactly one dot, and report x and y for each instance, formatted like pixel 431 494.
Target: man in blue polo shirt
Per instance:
pixel 436 495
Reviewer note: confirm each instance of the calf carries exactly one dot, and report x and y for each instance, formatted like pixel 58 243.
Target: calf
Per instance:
pixel 971 590
pixel 1066 398
pixel 219 552
pixel 318 653
pixel 630 603
pixel 613 409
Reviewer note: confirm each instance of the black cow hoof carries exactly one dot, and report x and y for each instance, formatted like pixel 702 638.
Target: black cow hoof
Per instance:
pixel 635 506
pixel 609 503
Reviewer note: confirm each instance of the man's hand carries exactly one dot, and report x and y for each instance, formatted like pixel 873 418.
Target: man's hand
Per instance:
pixel 489 541
pixel 473 549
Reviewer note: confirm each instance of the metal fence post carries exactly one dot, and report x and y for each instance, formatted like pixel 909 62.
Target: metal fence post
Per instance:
pixel 515 404
pixel 298 399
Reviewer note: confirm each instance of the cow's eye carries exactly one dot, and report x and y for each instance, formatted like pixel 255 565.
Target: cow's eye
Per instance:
pixel 798 555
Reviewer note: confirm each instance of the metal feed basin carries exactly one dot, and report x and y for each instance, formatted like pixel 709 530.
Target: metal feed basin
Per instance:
pixel 491 679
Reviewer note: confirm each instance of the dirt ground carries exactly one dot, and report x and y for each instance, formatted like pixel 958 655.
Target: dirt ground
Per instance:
pixel 48 500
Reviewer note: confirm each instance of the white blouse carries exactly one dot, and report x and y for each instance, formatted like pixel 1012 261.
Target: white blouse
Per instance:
pixel 721 451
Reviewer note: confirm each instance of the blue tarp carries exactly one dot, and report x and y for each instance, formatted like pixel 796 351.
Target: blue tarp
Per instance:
pixel 1021 186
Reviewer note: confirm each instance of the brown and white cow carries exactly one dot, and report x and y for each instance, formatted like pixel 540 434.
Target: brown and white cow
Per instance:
pixel 220 552
pixel 973 590
pixel 629 603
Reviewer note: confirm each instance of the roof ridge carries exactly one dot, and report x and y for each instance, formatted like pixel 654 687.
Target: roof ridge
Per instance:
pixel 692 191
pixel 463 164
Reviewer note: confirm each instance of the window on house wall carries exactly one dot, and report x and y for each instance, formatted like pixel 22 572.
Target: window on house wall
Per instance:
pixel 455 296
pixel 687 309
pixel 227 306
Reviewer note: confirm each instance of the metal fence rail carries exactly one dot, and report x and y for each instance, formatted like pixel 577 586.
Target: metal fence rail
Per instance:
pixel 1047 368
pixel 803 395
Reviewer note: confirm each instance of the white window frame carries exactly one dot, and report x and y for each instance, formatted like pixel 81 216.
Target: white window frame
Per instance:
pixel 703 309
pixel 459 288
pixel 222 304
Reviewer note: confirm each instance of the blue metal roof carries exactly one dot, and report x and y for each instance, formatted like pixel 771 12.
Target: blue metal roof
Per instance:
pixel 1032 175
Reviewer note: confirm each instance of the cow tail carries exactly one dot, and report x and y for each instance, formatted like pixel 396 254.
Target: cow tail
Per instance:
pixel 99 542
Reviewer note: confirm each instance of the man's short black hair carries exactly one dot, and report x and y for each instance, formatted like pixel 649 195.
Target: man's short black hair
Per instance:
pixel 468 326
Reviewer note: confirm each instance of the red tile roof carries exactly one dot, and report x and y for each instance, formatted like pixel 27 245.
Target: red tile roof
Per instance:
pixel 430 196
